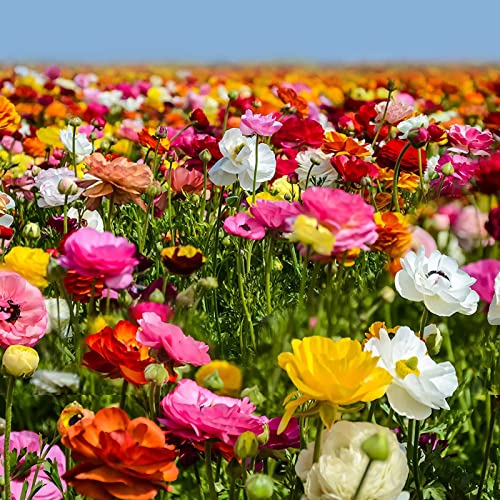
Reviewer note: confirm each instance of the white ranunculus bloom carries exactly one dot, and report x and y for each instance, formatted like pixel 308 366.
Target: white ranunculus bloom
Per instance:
pixel 83 146
pixel 419 384
pixel 438 282
pixel 324 172
pixel 58 316
pixel 342 462
pixel 53 382
pixel 238 161
pixel 494 309
pixel 90 218
pixel 420 121
pixel 47 182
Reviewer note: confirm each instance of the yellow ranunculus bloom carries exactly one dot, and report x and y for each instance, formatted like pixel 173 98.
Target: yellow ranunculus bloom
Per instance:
pixel 30 263
pixel 309 232
pixel 229 374
pixel 331 373
pixel 50 136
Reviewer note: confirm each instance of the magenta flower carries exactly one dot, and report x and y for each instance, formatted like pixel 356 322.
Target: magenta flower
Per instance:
pixel 180 348
pixel 91 253
pixel 164 311
pixel 274 215
pixel 470 140
pixel 31 441
pixel 289 438
pixel 347 216
pixel 485 272
pixel 265 126
pixel 23 316
pixel 455 184
pixel 245 226
pixel 192 412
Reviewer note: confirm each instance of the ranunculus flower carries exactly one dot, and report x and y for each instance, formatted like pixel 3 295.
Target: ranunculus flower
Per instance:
pixel 184 260
pixel 438 282
pixel 91 253
pixel 82 146
pixel 388 154
pixel 194 413
pixel 30 263
pixel 265 126
pixel 484 271
pixel 9 117
pixel 416 122
pixel 459 181
pixel 47 182
pixel 465 139
pixel 338 471
pixel 274 215
pixel 164 311
pixel 492 225
pixel 419 384
pixel 396 111
pixel 31 442
pixel 469 229
pixel 299 132
pixel 169 338
pixel 354 169
pixel 118 457
pixel 314 167
pixel 23 316
pixel 245 226
pixel 394 236
pixel 488 175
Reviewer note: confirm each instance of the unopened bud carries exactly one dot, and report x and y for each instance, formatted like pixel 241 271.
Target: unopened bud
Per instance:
pixel 75 121
pixel 246 445
pixel 205 156
pixel 210 283
pixel 20 361
pixel 213 381
pixel 391 85
pixel 433 339
pixel 67 186
pixel 376 447
pixel 55 272
pixel 161 132
pixel 186 297
pixel 388 294
pixel 447 169
pixel 277 264
pixel 293 178
pixel 156 373
pixel 31 231
pixel 253 394
pixel 172 157
pixel 93 136
pixel 259 487
pixel 234 469
pixel 315 160
pixel 153 190
pixel 232 94
pixel 157 296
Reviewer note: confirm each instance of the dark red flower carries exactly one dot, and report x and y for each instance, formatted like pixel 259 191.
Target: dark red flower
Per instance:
pixel 488 175
pixel 200 118
pixel 492 225
pixel 6 233
pixel 299 132
pixel 353 169
pixel 388 154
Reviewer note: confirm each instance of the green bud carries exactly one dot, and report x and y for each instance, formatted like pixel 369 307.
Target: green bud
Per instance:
pixel 232 94
pixel 31 231
pixel 157 296
pixel 210 283
pixel 55 272
pixel 433 339
pixel 234 469
pixel 246 445
pixel 213 381
pixel 67 186
pixel 156 373
pixel 153 190
pixel 205 156
pixel 259 487
pixel 387 294
pixel 447 169
pixel 253 394
pixel 277 264
pixel 75 121
pixel 263 437
pixel 376 447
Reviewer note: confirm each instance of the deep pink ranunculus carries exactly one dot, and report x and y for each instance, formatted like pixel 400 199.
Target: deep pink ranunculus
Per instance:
pixel 245 226
pixel 466 139
pixel 195 413
pixel 164 311
pixel 347 216
pixel 91 253
pixel 273 215
pixel 23 316
pixel 264 126
pixel 485 272
pixel 180 348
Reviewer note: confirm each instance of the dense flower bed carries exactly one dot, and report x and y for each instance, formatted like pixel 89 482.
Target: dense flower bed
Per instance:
pixel 278 283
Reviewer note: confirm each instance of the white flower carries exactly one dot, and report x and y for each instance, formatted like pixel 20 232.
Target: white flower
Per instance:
pixel 412 123
pixel 238 161
pixel 342 462
pixel 494 309
pixel 6 203
pixel 323 174
pixel 83 146
pixel 47 182
pixel 92 218
pixel 438 282
pixel 419 384
pixel 53 382
pixel 58 316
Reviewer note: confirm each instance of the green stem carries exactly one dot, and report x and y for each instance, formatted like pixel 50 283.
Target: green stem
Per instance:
pixel 303 278
pixel 248 316
pixel 107 225
pixel 9 397
pixel 409 439
pixel 204 193
pixel 65 214
pixel 268 266
pixel 487 448
pixel 217 227
pixel 395 200
pixel 208 468
pixel 362 481
pixel 317 440
pixel 416 476
pixel 423 321
pixel 74 149
pixel 226 116
pixel 170 225
pixel 123 395
pixel 382 122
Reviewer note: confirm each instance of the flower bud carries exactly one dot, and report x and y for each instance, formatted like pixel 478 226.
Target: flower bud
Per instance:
pixel 234 469
pixel 246 445
pixel 153 190
pixel 31 231
pixel 171 157
pixel 253 394
pixel 35 170
pixel 391 85
pixel 263 437
pixel 447 169
pixel 105 144
pixel 157 296
pixel 418 137
pixel 433 339
pixel 213 381
pixel 2 426
pixel 376 447
pixel 232 94
pixel 205 156
pixel 388 294
pixel 75 121
pixel 93 136
pixel 156 373
pixel 20 361
pixel 161 132
pixel 315 160
pixel 209 283
pixel 55 272
pixel 293 178
pixel 277 264
pixel 259 487
pixel 186 297
pixel 67 186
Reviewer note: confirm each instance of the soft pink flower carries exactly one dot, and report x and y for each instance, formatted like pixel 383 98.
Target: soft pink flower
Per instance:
pixel 23 316
pixel 421 238
pixel 91 253
pixel 347 216
pixel 470 140
pixel 265 126
pixel 469 229
pixel 31 441
pixel 455 184
pixel 446 216
pixel 245 226
pixel 273 215
pixel 485 272
pixel 195 413
pixel 397 111
pixel 164 311
pixel 180 348
pixel 11 145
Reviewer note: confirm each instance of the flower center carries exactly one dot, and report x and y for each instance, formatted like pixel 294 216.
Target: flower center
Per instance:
pixel 440 273
pixel 408 366
pixel 9 311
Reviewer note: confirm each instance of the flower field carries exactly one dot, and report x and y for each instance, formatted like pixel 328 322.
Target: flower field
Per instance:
pixel 250 283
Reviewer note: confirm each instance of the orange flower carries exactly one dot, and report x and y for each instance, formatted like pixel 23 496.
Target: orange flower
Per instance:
pixel 290 97
pixel 407 180
pixel 340 144
pixel 34 147
pixel 80 287
pixel 118 457
pixel 120 180
pixel 9 117
pixel 116 352
pixel 148 138
pixel 182 260
pixel 394 237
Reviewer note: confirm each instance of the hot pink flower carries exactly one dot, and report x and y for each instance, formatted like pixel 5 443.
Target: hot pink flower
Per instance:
pixel 23 316
pixel 245 226
pixel 470 140
pixel 179 348
pixel 91 253
pixel 264 126
pixel 347 216
pixel 164 311
pixel 485 272
pixel 273 215
pixel 192 412
pixel 31 441
pixel 455 184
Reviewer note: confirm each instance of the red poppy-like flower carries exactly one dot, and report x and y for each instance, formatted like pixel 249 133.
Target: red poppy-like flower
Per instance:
pixel 388 154
pixel 117 353
pixel 353 169
pixel 299 132
pixel 488 175
pixel 119 457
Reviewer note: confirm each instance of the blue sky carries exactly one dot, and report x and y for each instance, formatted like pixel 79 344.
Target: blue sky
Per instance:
pixel 198 31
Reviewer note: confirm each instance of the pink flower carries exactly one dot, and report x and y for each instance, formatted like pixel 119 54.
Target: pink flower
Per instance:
pixel 485 272
pixel 91 253
pixel 347 216
pixel 192 412
pixel 31 441
pixel 164 311
pixel 23 316
pixel 470 140
pixel 396 111
pixel 179 348
pixel 265 126
pixel 273 215
pixel 245 226
pixel 469 229
pixel 455 184
pixel 421 238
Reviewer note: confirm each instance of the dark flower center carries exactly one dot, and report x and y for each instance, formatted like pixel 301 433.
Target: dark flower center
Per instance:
pixel 440 273
pixel 14 311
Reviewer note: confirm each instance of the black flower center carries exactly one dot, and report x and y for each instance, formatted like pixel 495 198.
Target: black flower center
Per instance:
pixel 14 311
pixel 440 273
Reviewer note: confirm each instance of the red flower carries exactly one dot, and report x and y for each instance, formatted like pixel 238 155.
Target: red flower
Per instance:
pixel 353 169
pixel 488 175
pixel 200 118
pixel 389 153
pixel 299 132
pixel 6 233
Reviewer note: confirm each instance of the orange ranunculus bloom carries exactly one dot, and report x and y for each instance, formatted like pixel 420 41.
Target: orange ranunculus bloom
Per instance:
pixel 118 457
pixel 80 287
pixel 148 138
pixel 394 236
pixel 290 97
pixel 406 180
pixel 9 117
pixel 340 144
pixel 33 146
pixel 116 352
pixel 119 180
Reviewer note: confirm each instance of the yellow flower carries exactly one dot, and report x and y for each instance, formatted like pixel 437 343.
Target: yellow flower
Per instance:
pixel 229 374
pixel 20 361
pixel 9 117
pixel 50 136
pixel 332 374
pixel 30 263
pixel 309 232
